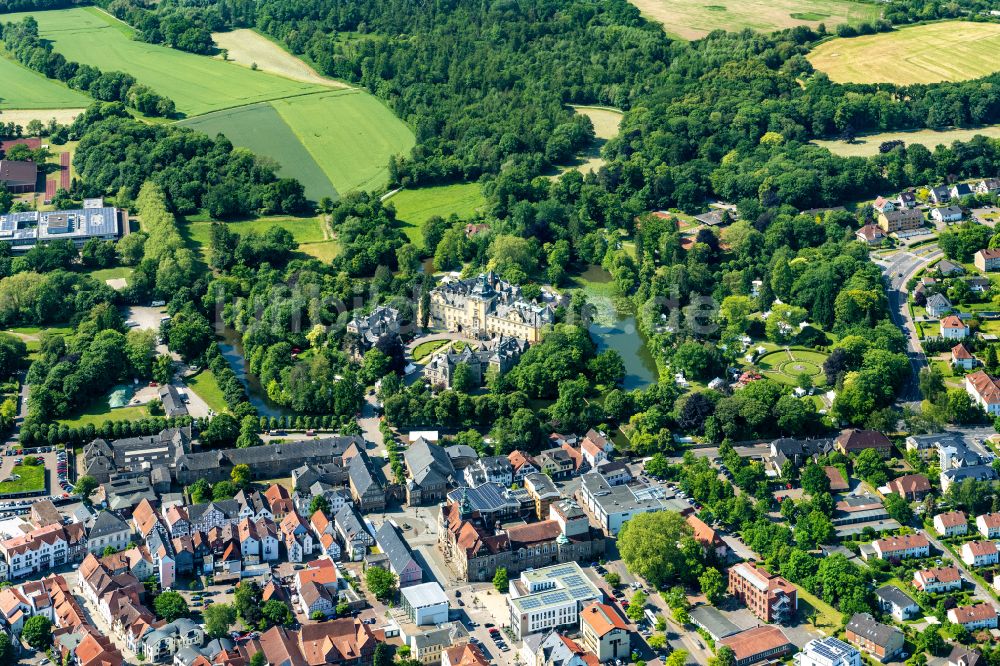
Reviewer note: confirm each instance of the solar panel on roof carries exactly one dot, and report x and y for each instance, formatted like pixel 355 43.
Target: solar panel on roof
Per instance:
pixel 554 597
pixel 581 592
pixel 573 580
pixel 530 603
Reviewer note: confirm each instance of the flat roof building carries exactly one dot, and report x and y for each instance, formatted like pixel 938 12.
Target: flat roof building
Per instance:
pixel 425 604
pixel 612 505
pixel 549 597
pixel 24 230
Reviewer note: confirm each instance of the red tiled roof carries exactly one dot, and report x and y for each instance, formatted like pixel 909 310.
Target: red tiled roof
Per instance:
pixel 911 483
pixel 951 321
pixel 756 641
pixel 985 386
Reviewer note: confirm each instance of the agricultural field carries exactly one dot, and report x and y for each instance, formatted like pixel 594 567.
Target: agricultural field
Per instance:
pixel 415 207
pixel 260 128
pixel 330 137
pixel 248 48
pixel 197 84
pixel 350 134
pixel 786 366
pixel 24 116
pixel 24 91
pixel 689 19
pixel 866 146
pixel 945 51
pixel 308 232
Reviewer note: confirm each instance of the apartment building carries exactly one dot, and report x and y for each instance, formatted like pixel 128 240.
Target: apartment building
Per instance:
pixel 769 597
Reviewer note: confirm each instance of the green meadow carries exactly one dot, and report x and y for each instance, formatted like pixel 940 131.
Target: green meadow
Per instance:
pixel 415 207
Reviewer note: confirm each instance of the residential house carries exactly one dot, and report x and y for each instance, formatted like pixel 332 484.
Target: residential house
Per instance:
pixel 893 601
pixel 522 465
pixel 253 505
pixel 960 190
pixel 952 523
pixel 163 642
pixel 489 469
pixel 979 553
pixel 556 463
pixel 988 525
pixel 961 357
pixel 204 517
pixel 940 194
pixel 937 579
pixel 366 491
pixel 543 492
pixel 798 451
pixel 988 186
pixel 985 390
pixel 173 403
pixel 953 328
pixel 883 205
pixel 41 549
pixel 401 561
pixel 604 632
pixel 430 470
pixel 353 536
pixel 963 656
pixel 108 530
pixel 938 305
pixel 901 547
pixel 870 234
pixel 595 448
pixel 882 641
pixel 987 259
pixel 912 487
pixel 946 268
pixel 975 617
pixel 907 200
pixel 977 472
pixel 947 214
pixel 295 534
pixel 316 588
pixel 707 538
pixel 855 441
pixel 895 221
pixel 469 654
pixel 769 597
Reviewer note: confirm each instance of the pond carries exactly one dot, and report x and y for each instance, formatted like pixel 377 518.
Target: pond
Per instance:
pixel 614 329
pixel 232 350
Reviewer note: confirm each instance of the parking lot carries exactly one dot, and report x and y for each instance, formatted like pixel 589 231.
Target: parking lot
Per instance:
pixel 57 484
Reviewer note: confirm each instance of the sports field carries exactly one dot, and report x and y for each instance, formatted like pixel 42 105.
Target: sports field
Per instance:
pixel 786 366
pixel 248 48
pixel 415 207
pixel 866 146
pixel 21 88
pixel 945 51
pixel 690 19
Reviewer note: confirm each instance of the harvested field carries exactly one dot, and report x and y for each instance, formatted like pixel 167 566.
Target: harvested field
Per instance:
pixel 945 51
pixel 688 19
pixel 866 146
pixel 247 47
pixel 24 116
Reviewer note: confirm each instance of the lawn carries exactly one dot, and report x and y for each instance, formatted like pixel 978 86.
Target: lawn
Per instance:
pixel 197 84
pixel 99 412
pixel 415 207
pixel 866 146
pixel 690 19
pixel 350 134
pixel 303 229
pixel 780 367
pixel 425 349
pixel 32 479
pixel 116 273
pixel 207 388
pixel 826 616
pixel 606 122
pixel 260 128
pixel 945 51
pixel 25 89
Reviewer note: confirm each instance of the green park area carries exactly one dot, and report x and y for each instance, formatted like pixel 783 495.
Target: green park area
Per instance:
pixel 207 388
pixel 307 232
pixel 788 365
pixel 24 479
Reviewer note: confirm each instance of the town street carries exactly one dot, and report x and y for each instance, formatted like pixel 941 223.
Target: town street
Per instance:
pixel 980 591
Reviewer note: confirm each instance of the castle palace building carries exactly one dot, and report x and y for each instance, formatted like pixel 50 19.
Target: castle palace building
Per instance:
pixel 487 306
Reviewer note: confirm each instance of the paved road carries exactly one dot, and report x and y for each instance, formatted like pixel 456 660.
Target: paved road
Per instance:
pixel 980 591
pixel 899 270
